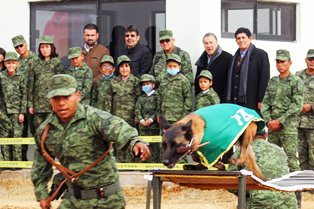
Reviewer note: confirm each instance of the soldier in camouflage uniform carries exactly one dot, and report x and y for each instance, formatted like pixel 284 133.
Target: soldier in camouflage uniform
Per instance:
pixel 82 73
pixel 26 61
pixel 101 91
pixel 146 112
pixel 281 105
pixel 208 96
pixel 306 118
pixel 272 167
pixel 175 91
pixel 5 127
pixel 13 90
pixel 43 69
pixel 78 135
pixel 160 58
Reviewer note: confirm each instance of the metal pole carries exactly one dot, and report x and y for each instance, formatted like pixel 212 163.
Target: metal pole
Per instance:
pixel 242 192
pixel 157 186
pixel 148 193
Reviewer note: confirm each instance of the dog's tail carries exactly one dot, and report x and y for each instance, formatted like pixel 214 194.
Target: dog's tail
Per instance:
pixel 251 163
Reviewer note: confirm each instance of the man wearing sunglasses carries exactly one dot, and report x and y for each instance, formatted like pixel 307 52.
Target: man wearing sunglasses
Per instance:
pixel 159 68
pixel 306 122
pixel 26 60
pixel 140 55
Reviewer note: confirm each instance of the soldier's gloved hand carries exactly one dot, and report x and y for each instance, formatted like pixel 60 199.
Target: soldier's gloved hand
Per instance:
pixel 141 150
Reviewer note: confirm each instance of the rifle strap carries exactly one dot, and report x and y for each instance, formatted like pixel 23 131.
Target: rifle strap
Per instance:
pixel 66 172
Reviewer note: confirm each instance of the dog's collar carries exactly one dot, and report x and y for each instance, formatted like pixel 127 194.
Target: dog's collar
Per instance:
pixel 188 149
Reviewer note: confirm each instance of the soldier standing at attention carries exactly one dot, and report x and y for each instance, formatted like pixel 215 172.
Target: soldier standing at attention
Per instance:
pixel 77 135
pixel 146 112
pixel 281 105
pixel 175 91
pixel 306 122
pixel 43 69
pixel 101 91
pixel 208 95
pixel 26 61
pixel 82 73
pixel 13 90
pixel 159 65
pixel 92 49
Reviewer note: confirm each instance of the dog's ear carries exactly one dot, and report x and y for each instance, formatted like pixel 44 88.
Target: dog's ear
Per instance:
pixel 164 124
pixel 187 126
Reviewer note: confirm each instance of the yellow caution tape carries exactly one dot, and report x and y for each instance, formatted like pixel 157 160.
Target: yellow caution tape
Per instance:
pixel 120 166
pixel 6 141
pixel 30 140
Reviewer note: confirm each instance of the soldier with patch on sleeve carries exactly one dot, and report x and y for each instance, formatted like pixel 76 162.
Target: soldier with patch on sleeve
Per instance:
pixel 306 117
pixel 78 135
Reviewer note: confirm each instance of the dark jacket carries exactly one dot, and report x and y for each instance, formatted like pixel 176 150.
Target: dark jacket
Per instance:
pixel 218 68
pixel 141 59
pixel 258 76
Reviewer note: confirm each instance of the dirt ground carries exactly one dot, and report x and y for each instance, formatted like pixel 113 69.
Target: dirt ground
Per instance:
pixel 16 192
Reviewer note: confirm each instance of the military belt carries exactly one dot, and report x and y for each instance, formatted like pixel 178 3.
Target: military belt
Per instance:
pixel 98 193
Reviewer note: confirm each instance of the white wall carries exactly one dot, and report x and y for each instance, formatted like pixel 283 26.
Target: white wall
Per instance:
pixel 15 21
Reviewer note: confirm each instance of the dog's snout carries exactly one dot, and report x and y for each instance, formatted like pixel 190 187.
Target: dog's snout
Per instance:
pixel 165 162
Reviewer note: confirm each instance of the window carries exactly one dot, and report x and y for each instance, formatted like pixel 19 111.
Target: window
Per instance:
pixel 266 20
pixel 65 22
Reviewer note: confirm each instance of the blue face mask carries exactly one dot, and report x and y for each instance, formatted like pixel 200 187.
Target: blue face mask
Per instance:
pixel 108 77
pixel 147 88
pixel 173 72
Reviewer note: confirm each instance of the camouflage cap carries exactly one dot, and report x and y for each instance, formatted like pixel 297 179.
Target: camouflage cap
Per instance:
pixel 174 57
pixel 282 55
pixel 147 77
pixel 206 74
pixel 74 52
pixel 10 56
pixel 122 58
pixel 107 58
pixel 45 39
pixel 310 53
pixel 61 85
pixel 165 34
pixel 18 40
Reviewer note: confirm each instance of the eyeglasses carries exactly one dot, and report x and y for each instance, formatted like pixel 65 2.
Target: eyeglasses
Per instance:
pixel 19 46
pixel 163 41
pixel 130 35
pixel 310 58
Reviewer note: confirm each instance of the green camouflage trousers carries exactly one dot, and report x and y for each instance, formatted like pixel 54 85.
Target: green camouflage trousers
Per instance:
pixel 289 143
pixel 115 201
pixel 13 152
pixel 306 148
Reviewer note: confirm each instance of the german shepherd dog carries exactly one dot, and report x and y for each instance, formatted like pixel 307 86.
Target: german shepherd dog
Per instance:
pixel 185 136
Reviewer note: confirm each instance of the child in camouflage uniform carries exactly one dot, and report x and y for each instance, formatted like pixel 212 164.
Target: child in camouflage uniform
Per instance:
pixel 208 96
pixel 124 90
pixel 43 69
pixel 175 91
pixel 13 90
pixel 101 91
pixel 146 112
pixel 82 73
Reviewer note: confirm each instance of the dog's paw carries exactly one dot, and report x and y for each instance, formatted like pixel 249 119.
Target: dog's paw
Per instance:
pixel 236 161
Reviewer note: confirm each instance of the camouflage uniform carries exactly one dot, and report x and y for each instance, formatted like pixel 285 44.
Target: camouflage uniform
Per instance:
pixel 175 94
pixel 82 141
pixel 39 76
pixel 283 101
pixel 5 127
pixel 14 95
pixel 147 106
pixel 306 124
pixel 158 68
pixel 207 98
pixel 272 167
pixel 83 75
pixel 124 95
